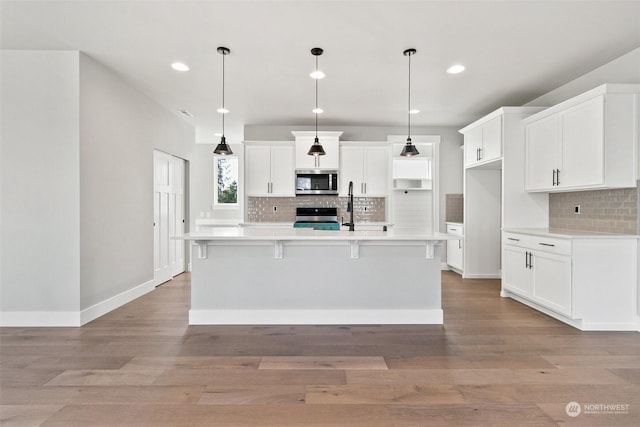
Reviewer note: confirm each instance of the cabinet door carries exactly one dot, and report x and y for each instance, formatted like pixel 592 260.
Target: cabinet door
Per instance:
pixel 552 281
pixel 582 137
pixel 257 170
pixel 517 276
pixel 454 254
pixel 376 171
pixel 472 143
pixel 491 139
pixel 282 171
pixel 541 147
pixel 352 169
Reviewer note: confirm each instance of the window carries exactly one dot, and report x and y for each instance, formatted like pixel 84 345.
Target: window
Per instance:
pixel 226 172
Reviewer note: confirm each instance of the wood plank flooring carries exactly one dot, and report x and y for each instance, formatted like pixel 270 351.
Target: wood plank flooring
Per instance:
pixel 494 362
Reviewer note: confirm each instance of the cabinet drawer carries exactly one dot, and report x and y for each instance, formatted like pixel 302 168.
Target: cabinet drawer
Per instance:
pixel 549 244
pixel 455 229
pixel 515 239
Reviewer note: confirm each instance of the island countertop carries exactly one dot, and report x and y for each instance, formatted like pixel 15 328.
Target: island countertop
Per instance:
pixel 306 234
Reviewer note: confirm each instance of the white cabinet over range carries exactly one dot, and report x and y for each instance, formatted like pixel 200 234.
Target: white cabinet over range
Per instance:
pixel 330 143
pixel 587 142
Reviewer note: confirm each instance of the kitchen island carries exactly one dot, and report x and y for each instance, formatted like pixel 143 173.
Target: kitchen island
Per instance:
pixel 305 276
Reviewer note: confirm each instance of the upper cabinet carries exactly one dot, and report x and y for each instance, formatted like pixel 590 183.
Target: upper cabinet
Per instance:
pixel 269 169
pixel 367 166
pixel 483 140
pixel 587 142
pixel 330 143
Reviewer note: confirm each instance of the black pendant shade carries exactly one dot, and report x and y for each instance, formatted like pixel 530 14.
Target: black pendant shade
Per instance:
pixel 409 149
pixel 222 148
pixel 316 149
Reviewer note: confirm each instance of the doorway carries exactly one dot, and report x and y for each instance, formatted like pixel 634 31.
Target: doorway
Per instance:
pixel 168 216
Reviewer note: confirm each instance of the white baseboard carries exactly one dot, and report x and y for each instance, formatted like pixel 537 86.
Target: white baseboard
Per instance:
pixel 72 318
pixel 481 276
pixel 316 317
pixel 12 319
pixel 103 307
pixel 576 323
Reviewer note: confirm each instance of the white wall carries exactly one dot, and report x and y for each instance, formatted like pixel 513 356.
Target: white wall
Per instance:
pixel 625 69
pixel 39 185
pixel 119 128
pixel 77 186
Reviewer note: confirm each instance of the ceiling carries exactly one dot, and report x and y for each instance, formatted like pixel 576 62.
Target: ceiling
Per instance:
pixel 514 51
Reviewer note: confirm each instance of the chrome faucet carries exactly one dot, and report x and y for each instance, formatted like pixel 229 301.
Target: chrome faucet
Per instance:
pixel 350 209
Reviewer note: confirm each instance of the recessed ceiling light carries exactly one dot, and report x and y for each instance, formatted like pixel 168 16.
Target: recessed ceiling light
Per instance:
pixel 317 74
pixel 179 66
pixel 222 110
pixel 317 111
pixel 414 111
pixel 455 69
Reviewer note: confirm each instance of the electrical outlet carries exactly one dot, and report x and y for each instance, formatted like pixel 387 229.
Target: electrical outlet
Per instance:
pixel 576 209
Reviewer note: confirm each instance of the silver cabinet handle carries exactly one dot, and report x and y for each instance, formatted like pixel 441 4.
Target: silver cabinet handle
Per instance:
pixel 460 244
pixel 546 244
pixel 365 188
pixel 557 176
pixel 554 177
pixel 530 260
pixel 526 259
pixel 513 238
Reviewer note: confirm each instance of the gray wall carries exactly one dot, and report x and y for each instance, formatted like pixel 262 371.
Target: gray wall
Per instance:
pixel 39 185
pixel 77 183
pixel 119 129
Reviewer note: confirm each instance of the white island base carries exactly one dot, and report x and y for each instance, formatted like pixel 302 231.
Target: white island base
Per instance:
pixel 315 277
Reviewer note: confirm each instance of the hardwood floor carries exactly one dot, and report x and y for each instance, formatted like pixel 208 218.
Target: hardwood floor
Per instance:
pixel 493 362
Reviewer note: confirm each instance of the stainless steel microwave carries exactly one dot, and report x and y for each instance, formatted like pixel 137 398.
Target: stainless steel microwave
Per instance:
pixel 317 181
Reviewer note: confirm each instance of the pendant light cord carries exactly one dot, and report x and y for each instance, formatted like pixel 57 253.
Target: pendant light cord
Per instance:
pixel 316 112
pixel 223 110
pixel 409 102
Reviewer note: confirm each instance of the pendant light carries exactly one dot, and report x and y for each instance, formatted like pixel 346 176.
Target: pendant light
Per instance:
pixel 316 149
pixel 223 149
pixel 409 149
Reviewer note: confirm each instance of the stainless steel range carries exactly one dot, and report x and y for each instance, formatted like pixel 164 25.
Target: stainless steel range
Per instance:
pixel 317 218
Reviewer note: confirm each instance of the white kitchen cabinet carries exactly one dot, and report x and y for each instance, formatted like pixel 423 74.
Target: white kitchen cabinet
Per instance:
pixel 454 247
pixel 330 144
pixel 587 281
pixel 483 141
pixel 587 142
pixel 494 195
pixel 269 169
pixel 367 167
pixel 539 268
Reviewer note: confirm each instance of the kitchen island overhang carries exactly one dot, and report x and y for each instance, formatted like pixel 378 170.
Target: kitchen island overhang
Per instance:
pixel 303 276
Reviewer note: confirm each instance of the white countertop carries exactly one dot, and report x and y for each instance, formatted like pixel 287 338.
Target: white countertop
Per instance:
pixel 569 234
pixel 306 234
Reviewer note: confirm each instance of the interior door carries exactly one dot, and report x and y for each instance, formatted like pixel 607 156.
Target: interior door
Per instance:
pixel 169 212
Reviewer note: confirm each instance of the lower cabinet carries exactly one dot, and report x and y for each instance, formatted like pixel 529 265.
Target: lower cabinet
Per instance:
pixel 584 281
pixel 454 247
